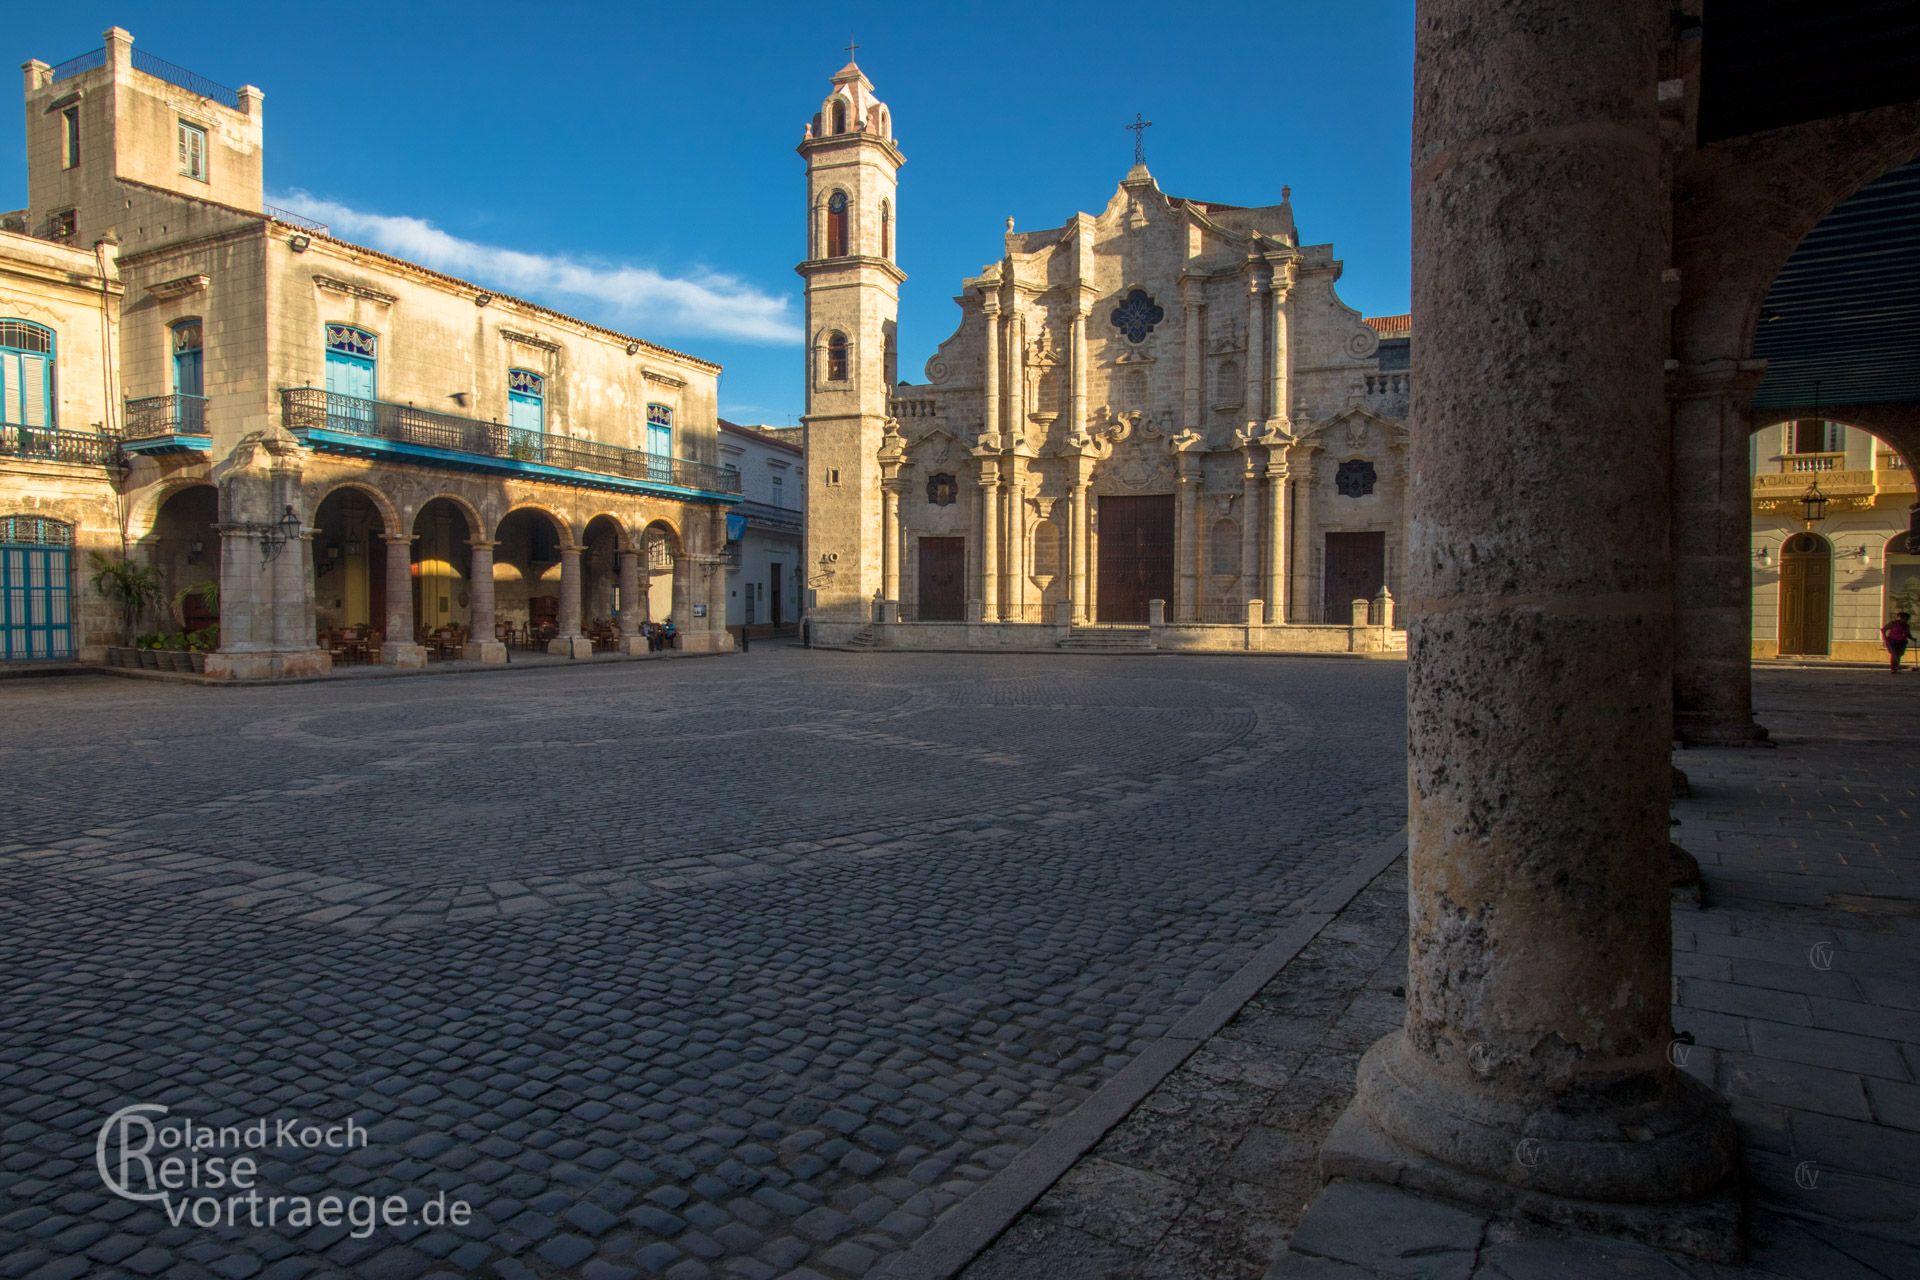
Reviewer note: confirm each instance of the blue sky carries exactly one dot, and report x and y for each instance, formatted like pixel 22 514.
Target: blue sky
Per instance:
pixel 634 163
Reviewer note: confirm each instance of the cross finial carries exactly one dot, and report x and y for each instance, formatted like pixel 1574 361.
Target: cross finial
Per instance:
pixel 1139 126
pixel 852 48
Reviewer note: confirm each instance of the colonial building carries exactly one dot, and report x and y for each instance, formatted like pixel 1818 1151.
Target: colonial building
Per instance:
pixel 764 530
pixel 369 457
pixel 1164 401
pixel 1823 586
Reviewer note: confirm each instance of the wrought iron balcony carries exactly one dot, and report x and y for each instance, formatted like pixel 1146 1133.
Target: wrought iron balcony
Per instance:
pixel 50 444
pixel 327 419
pixel 174 415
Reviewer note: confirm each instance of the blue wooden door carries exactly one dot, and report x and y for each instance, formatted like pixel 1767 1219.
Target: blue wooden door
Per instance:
pixel 36 601
pixel 351 384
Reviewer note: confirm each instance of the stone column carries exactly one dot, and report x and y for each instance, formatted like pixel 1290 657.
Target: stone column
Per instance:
pixel 1077 539
pixel 1078 422
pixel 1713 560
pixel 1250 529
pixel 1533 1065
pixel 400 648
pixel 1275 590
pixel 1300 598
pixel 991 360
pixel 568 642
pixel 1183 541
pixel 989 545
pixel 1277 380
pixel 720 640
pixel 482 644
pixel 633 602
pixel 1195 362
pixel 1013 501
pixel 890 551
pixel 1256 350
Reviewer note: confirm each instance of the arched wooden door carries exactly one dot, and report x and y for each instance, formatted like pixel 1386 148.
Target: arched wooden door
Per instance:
pixel 1806 595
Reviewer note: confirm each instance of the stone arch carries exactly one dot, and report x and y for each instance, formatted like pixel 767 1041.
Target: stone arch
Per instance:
pixel 389 513
pixel 144 509
pixel 622 524
pixel 1744 211
pixel 478 526
pixel 560 522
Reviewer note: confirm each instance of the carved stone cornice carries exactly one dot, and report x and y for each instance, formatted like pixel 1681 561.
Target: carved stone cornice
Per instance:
pixel 167 290
pixel 333 284
pixel 529 340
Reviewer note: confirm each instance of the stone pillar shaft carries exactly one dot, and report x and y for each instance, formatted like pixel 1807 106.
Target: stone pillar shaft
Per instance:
pixel 1183 539
pixel 1256 355
pixel 480 591
pixel 890 545
pixel 1013 504
pixel 1534 1057
pixel 992 361
pixel 1249 532
pixel 989 548
pixel 632 610
pixel 399 588
pixel 1078 421
pixel 1193 367
pixel 1713 565
pixel 1275 592
pixel 569 619
pixel 1278 381
pixel 1077 540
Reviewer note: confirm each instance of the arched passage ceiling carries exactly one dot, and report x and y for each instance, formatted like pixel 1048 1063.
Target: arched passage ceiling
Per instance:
pixel 1841 323
pixel 1845 310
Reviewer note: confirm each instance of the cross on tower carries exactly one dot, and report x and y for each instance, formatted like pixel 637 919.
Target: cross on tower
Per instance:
pixel 852 48
pixel 1139 126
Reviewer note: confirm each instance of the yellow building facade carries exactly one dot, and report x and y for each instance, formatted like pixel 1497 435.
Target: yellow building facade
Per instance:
pixel 371 458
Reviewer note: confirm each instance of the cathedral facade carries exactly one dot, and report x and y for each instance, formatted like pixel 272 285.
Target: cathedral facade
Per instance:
pixel 1157 415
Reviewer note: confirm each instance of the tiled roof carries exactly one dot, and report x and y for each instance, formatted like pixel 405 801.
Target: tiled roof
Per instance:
pixel 1399 326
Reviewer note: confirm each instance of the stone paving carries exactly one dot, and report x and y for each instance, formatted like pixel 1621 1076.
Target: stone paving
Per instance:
pixel 1797 995
pixel 741 967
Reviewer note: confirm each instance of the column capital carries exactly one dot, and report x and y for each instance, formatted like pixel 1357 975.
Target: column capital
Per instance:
pixel 397 539
pixel 480 544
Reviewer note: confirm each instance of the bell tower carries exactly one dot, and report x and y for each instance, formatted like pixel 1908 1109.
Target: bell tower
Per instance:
pixel 853 301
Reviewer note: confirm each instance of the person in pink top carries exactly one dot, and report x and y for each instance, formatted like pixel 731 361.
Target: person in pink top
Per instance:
pixel 1896 635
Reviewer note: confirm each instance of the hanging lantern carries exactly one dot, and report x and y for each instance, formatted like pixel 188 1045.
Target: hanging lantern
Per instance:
pixel 1813 505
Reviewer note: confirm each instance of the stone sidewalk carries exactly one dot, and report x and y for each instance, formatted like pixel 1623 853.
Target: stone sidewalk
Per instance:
pixel 1797 995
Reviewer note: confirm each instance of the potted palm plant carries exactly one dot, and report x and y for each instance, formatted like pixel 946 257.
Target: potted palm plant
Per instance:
pixel 133 588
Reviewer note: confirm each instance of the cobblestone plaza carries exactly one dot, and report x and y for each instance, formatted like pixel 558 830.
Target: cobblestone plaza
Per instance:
pixel 686 968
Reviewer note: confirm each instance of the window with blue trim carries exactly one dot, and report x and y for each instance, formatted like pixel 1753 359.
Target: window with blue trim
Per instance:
pixel 526 400
pixel 352 376
pixel 660 442
pixel 26 374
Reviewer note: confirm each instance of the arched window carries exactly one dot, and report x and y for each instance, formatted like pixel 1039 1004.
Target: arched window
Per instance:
pixel 839 115
pixel 526 400
pixel 836 357
pixel 886 229
pixel 837 225
pixel 26 374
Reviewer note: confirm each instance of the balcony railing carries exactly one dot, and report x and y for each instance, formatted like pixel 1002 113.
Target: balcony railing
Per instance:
pixel 50 444
pixel 191 81
pixel 174 415
pixel 312 409
pixel 75 66
pixel 1802 463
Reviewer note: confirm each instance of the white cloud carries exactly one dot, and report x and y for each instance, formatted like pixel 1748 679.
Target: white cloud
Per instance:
pixel 652 304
